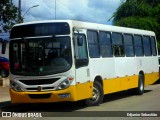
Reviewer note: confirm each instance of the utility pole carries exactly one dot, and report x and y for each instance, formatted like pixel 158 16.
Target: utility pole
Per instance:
pixel 19 11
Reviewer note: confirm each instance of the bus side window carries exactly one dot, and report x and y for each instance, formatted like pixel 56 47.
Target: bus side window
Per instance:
pixel 153 46
pixel 128 45
pixel 105 44
pixel 138 45
pixel 93 44
pixel 117 43
pixel 147 46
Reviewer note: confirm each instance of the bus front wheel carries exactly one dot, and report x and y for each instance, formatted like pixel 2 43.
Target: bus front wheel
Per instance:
pixel 97 95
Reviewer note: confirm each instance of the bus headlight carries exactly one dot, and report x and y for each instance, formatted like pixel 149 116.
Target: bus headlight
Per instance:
pixel 65 84
pixel 16 87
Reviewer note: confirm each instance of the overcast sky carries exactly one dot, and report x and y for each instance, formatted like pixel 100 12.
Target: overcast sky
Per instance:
pixel 98 11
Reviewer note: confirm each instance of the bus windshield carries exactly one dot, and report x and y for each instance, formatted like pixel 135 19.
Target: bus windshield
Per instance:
pixel 40 55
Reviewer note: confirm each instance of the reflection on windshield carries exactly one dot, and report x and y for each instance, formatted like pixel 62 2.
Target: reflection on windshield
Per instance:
pixel 41 56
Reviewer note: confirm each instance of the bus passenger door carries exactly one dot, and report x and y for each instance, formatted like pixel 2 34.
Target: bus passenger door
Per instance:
pixel 83 84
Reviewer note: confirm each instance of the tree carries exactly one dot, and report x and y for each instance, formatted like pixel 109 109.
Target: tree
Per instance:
pixel 8 15
pixel 141 14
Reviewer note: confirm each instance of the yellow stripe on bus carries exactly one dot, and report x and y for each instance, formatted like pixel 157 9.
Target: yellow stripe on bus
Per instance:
pixel 84 90
pixel 128 82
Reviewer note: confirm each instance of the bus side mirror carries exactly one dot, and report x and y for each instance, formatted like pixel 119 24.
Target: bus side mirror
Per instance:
pixel 80 40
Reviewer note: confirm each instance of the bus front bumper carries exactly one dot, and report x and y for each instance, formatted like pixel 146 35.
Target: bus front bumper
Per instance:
pixel 43 96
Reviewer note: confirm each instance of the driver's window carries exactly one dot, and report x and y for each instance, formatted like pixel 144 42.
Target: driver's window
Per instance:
pixel 81 56
pixel 81 51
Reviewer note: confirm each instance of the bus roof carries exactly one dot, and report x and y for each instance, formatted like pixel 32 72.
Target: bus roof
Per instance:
pixel 95 26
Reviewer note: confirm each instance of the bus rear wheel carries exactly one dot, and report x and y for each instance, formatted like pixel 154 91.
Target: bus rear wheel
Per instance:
pixel 140 89
pixel 97 95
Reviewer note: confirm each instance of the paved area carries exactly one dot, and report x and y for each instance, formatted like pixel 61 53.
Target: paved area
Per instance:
pixel 4 89
pixel 4 94
pixel 4 81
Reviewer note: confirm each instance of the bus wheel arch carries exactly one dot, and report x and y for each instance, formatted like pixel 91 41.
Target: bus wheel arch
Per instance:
pixel 97 93
pixel 99 79
pixel 142 73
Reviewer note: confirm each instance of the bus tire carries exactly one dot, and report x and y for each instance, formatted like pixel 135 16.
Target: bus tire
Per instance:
pixel 97 96
pixel 140 89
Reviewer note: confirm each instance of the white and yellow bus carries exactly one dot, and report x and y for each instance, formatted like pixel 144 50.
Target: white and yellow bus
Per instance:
pixel 66 60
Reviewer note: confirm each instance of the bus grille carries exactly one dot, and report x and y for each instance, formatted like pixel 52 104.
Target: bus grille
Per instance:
pixel 39 82
pixel 43 88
